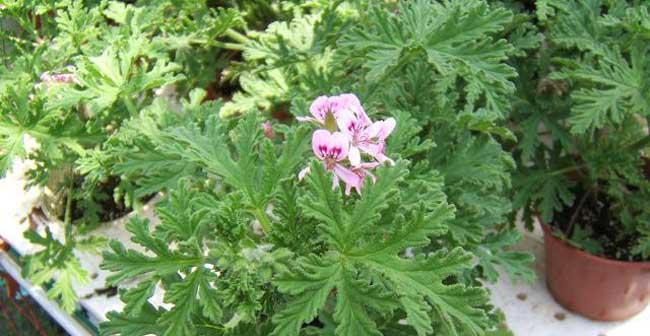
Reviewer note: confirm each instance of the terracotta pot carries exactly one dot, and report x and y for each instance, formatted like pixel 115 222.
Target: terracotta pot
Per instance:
pixel 598 288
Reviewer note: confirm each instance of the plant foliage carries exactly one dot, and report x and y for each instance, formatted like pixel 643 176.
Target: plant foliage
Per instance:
pixel 297 258
pixel 352 268
pixel 583 110
pixel 123 101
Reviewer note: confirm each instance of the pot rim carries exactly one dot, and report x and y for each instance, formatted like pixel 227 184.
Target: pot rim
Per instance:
pixel 49 218
pixel 548 232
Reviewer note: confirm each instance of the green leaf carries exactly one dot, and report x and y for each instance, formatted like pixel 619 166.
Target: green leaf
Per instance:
pixel 494 252
pixel 352 298
pixel 547 8
pixel 209 300
pixel 455 37
pixel 619 91
pixel 129 263
pixel 643 244
pixel 583 238
pixel 361 274
pixel 63 287
pixel 142 324
pixel 178 320
pixel 417 314
pixel 209 149
pixel 137 298
pixel 312 285
pixel 545 191
pixel 324 204
pixel 91 244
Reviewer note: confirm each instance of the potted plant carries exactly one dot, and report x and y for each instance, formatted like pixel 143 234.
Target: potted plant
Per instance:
pixel 73 75
pixel 341 48
pixel 269 247
pixel 275 249
pixel 582 114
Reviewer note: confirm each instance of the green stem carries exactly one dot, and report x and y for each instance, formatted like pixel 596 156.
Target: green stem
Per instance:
pixel 565 170
pixel 211 326
pixel 130 105
pixel 577 212
pixel 67 217
pixel 219 44
pixel 264 220
pixel 35 24
pixel 233 34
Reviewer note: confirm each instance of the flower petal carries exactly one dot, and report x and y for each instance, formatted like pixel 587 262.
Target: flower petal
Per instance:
pixel 320 143
pixel 383 158
pixel 380 130
pixel 350 102
pixel 369 165
pixel 349 177
pixel 340 146
pixel 320 107
pixel 333 145
pixel 354 156
pixel 348 123
pixel 335 181
pixel 303 173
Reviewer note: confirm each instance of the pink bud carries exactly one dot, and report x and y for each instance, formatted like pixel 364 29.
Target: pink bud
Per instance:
pixel 268 130
pixel 58 78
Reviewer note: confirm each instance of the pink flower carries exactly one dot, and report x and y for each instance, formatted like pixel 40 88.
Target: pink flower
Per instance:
pixel 326 110
pixel 332 149
pixel 357 134
pixel 362 170
pixel 322 112
pixel 348 103
pixel 366 137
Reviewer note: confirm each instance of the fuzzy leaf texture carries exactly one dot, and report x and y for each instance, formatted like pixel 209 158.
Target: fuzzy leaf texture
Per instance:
pixel 613 75
pixel 456 38
pixel 369 276
pixel 255 167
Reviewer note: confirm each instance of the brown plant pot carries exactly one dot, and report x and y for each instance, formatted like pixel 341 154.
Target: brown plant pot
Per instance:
pixel 598 288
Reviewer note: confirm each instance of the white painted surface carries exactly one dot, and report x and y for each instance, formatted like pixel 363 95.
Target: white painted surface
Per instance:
pixel 16 203
pixel 534 316
pixel 71 325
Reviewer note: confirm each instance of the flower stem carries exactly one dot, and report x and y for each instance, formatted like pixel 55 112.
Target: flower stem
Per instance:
pixel 233 34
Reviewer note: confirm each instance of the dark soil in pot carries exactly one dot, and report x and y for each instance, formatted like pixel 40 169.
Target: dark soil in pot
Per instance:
pixel 103 209
pixel 591 214
pixel 108 210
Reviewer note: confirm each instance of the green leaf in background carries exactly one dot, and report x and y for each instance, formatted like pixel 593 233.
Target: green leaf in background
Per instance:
pixel 457 40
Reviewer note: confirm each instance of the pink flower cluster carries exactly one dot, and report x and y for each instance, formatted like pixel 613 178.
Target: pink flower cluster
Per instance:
pixel 349 137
